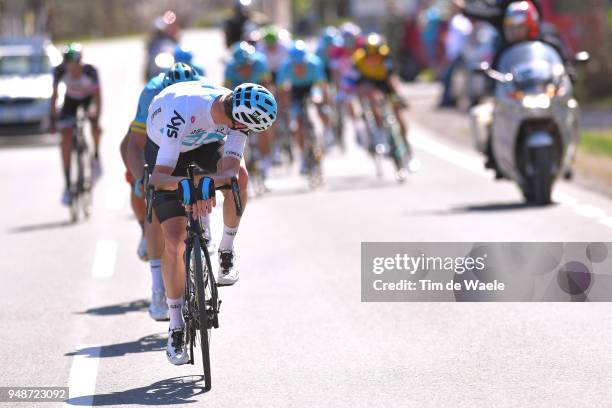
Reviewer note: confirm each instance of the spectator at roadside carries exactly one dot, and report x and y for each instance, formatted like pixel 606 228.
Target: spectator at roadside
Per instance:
pixel 459 31
pixel 235 25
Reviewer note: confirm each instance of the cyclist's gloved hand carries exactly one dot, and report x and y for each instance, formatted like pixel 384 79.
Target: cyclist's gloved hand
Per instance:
pixel 138 187
pixel 186 192
pixel 206 188
pixel 206 196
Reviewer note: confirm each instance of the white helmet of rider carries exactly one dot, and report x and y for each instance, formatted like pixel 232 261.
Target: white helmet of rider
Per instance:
pixel 253 106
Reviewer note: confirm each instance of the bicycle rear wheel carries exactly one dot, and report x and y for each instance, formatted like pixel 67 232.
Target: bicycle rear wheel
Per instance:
pixel 204 296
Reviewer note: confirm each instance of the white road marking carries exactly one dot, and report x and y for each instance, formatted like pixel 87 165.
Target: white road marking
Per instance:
pixel 607 221
pixel 104 259
pixel 424 140
pixel 83 375
pixel 563 198
pixel 589 211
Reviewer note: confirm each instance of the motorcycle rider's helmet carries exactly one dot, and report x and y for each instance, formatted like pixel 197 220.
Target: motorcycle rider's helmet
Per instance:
pixel 376 45
pixel 72 52
pixel 521 22
pixel 297 53
pixel 243 53
pixel 183 53
pixel 180 72
pixel 253 106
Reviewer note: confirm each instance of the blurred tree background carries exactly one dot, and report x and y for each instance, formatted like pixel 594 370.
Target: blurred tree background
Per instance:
pixel 63 19
pixel 81 19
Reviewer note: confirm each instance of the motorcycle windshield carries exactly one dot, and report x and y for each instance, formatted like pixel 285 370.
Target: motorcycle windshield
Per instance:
pixel 533 66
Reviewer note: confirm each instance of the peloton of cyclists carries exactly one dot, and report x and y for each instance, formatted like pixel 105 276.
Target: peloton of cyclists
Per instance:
pixel 301 77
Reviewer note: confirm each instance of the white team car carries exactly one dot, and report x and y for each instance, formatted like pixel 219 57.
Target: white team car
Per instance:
pixel 26 80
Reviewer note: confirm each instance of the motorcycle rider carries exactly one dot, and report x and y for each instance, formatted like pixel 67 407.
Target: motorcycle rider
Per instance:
pixel 516 21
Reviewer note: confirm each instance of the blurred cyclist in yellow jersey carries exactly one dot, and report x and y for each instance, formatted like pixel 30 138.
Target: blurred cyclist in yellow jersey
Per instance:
pixel 376 79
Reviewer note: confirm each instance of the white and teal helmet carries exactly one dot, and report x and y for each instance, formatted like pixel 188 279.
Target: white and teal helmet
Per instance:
pixel 253 106
pixel 180 72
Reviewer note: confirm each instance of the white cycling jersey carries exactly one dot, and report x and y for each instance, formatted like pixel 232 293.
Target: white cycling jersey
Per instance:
pixel 180 120
pixel 274 56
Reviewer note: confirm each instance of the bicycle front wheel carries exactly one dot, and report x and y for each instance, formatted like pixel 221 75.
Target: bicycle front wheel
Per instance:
pixel 204 295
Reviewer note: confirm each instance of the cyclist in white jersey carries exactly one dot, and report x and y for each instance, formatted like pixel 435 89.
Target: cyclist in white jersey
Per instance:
pixel 192 122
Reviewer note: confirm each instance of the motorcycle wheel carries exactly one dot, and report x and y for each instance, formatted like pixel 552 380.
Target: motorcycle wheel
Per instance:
pixel 541 180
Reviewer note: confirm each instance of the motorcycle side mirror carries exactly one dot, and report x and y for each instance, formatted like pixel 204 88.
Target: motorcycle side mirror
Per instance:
pixel 499 77
pixel 582 58
pixel 486 69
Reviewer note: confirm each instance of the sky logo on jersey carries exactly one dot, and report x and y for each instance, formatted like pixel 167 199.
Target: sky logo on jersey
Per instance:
pixel 174 124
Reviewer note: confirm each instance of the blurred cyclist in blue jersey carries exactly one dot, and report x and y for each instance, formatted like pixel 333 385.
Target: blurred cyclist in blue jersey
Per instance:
pixel 324 47
pixel 184 54
pixel 301 77
pixel 246 65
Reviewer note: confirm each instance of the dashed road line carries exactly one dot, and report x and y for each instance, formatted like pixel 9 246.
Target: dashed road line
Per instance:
pixel 83 376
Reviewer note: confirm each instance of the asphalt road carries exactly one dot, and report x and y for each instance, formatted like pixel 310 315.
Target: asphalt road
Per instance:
pixel 293 330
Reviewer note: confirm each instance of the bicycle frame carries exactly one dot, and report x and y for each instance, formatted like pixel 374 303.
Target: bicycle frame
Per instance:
pixel 385 139
pixel 313 152
pixel 80 188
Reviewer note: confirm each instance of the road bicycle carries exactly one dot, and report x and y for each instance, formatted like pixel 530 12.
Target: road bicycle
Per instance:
pixel 81 173
pixel 202 302
pixel 387 141
pixel 313 151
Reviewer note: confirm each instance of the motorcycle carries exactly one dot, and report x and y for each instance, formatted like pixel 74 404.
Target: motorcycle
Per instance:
pixel 531 130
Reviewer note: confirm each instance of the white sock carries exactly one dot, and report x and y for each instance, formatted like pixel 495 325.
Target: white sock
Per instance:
pixel 227 241
pixel 175 307
pixel 156 275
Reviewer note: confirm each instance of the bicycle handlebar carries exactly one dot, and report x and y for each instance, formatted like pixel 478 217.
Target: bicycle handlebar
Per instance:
pixel 233 186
